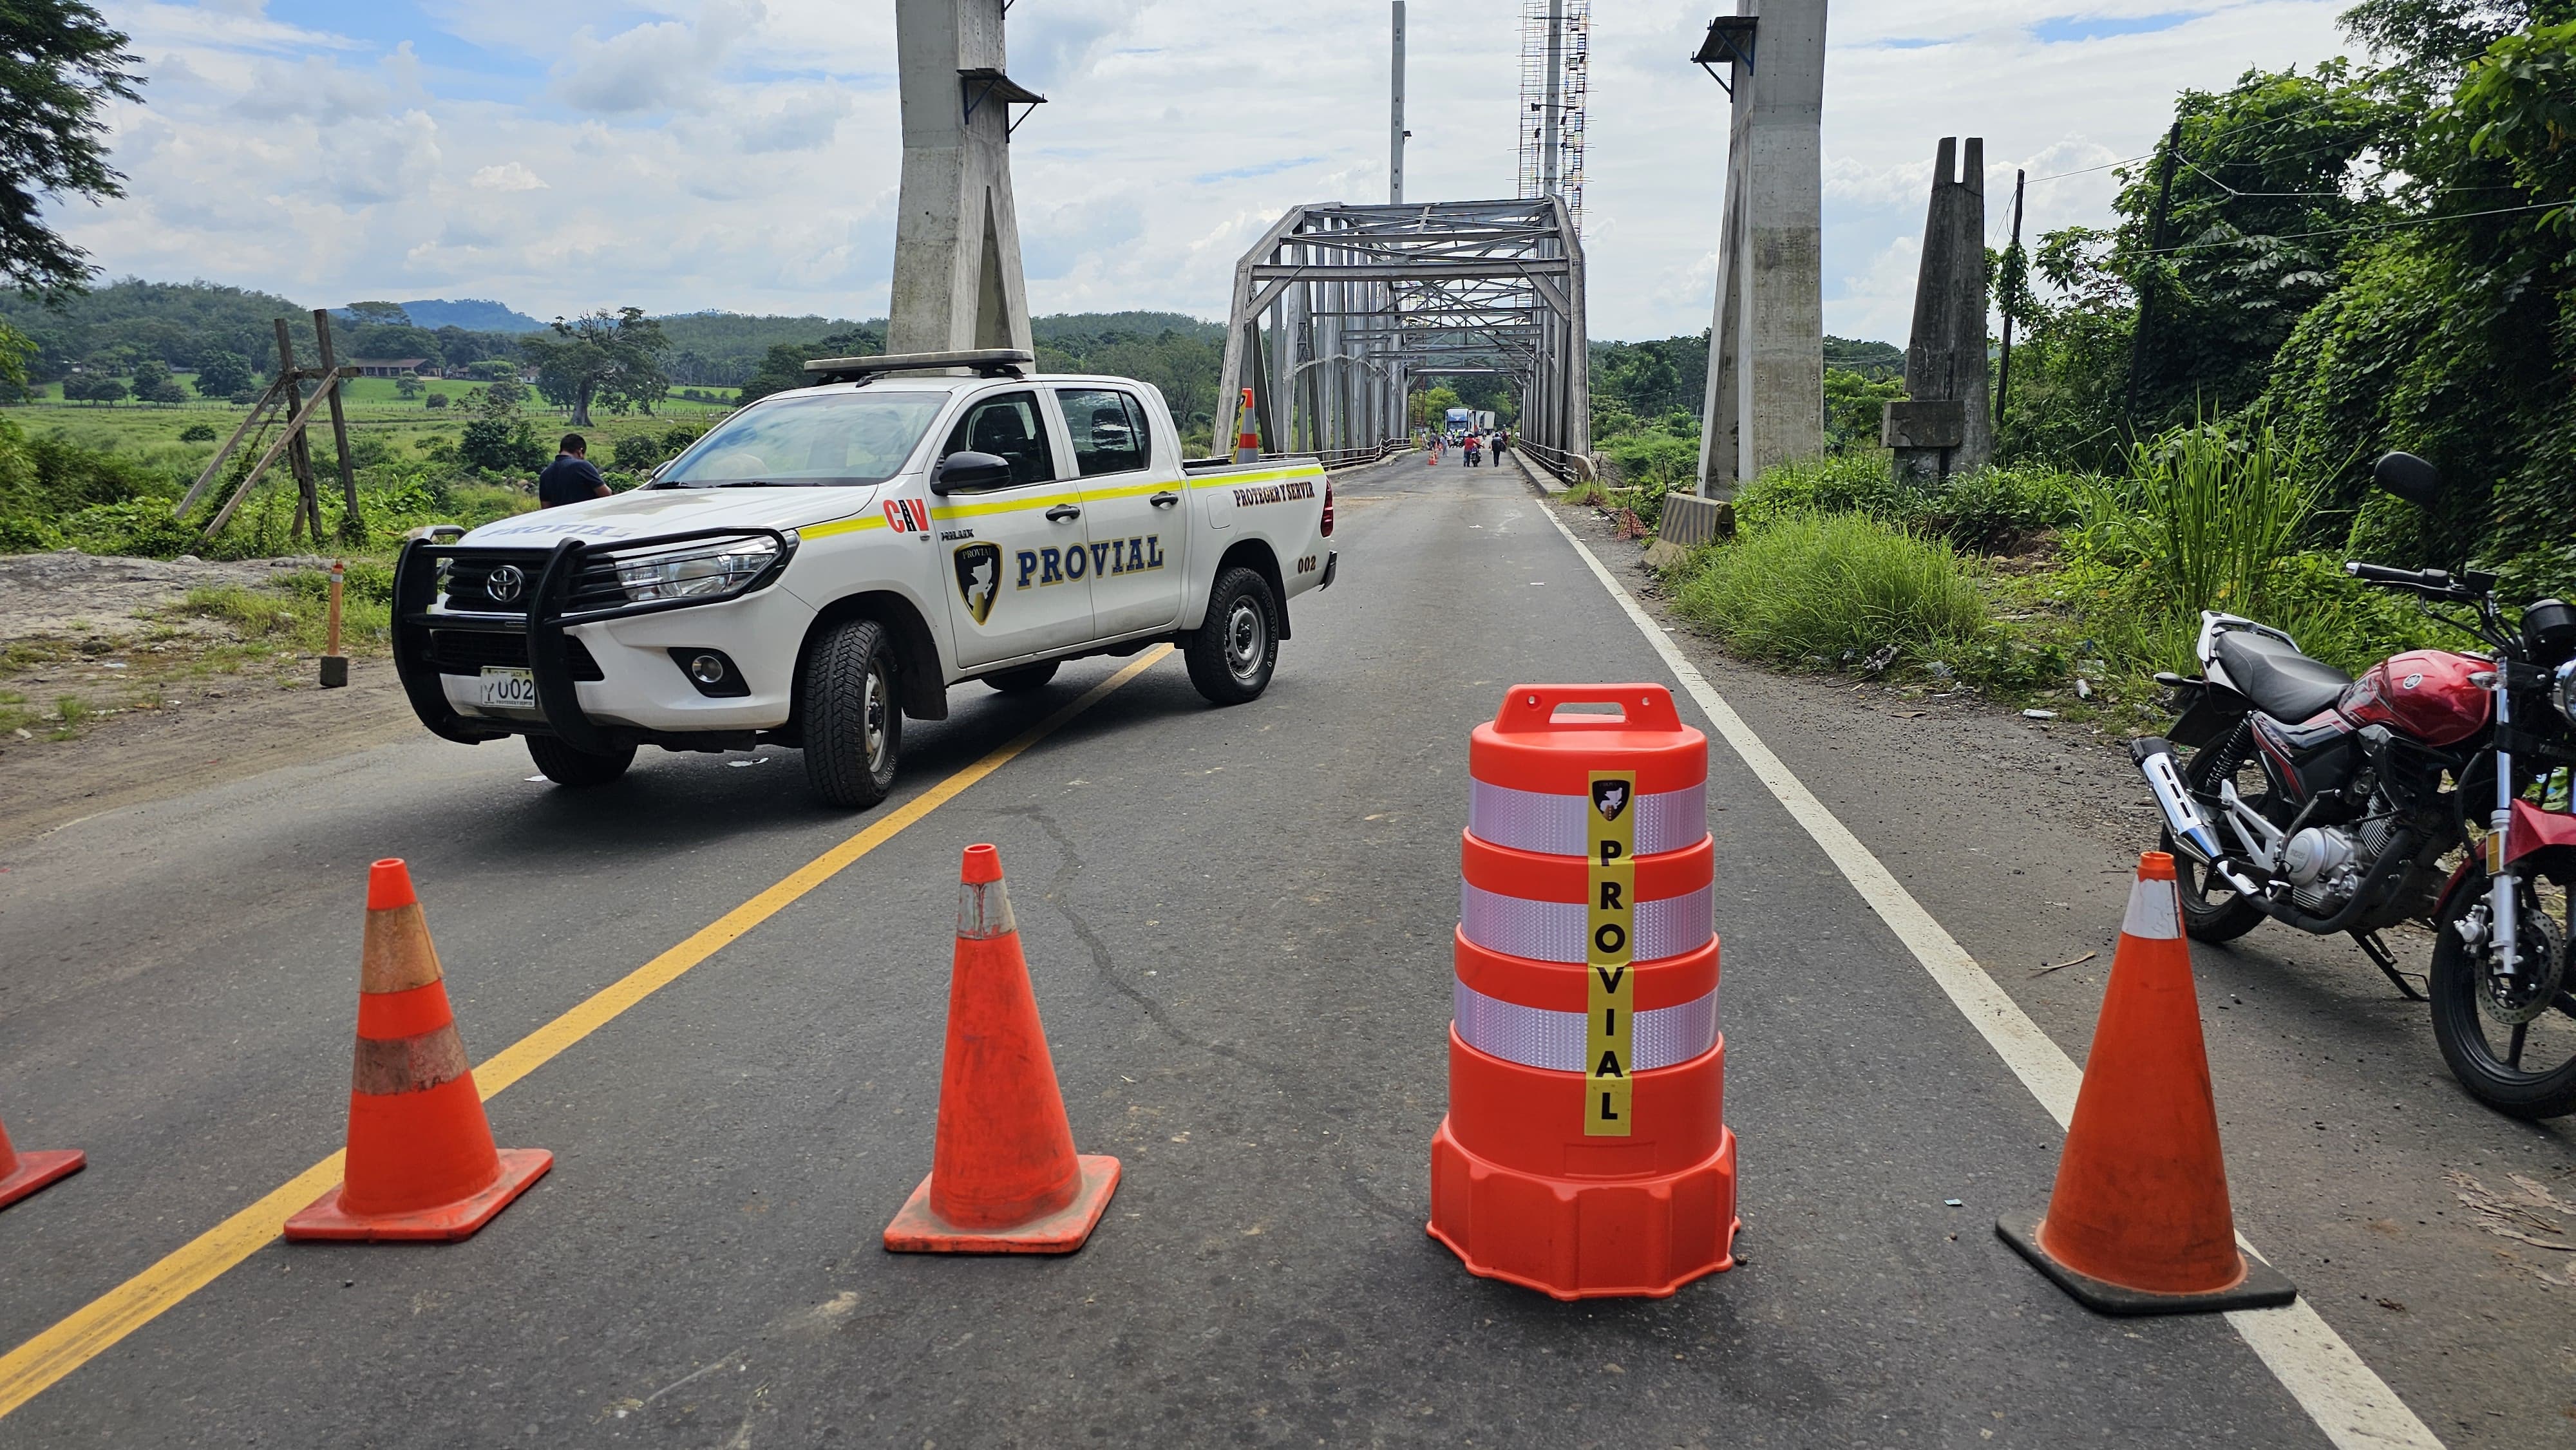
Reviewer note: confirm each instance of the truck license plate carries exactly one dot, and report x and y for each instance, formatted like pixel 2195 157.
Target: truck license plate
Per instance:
pixel 507 688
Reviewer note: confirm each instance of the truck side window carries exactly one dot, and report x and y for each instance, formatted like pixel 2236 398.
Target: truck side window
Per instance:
pixel 1008 427
pixel 1108 430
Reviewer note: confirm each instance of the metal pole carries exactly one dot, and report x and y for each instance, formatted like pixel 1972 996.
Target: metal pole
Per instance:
pixel 1395 132
pixel 1555 88
pixel 2147 296
pixel 2003 376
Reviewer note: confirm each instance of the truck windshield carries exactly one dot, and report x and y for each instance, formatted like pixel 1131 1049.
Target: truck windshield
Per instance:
pixel 826 441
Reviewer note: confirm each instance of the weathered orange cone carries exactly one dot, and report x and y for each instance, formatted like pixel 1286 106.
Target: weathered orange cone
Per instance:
pixel 1004 1178
pixel 2139 1222
pixel 24 1173
pixel 421 1163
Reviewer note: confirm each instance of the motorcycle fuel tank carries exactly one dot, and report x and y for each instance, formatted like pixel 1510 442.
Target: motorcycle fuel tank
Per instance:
pixel 2423 693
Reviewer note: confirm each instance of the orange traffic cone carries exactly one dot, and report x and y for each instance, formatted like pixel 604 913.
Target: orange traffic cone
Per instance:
pixel 24 1173
pixel 1247 431
pixel 2139 1221
pixel 1004 1178
pixel 421 1163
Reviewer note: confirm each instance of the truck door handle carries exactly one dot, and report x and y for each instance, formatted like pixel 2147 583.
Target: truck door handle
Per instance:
pixel 1165 499
pixel 1063 512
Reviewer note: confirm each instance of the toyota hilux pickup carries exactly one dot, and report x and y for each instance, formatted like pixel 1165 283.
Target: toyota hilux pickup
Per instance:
pixel 829 561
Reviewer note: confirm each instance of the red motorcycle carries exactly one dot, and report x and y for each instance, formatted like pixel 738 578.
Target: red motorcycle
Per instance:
pixel 2331 804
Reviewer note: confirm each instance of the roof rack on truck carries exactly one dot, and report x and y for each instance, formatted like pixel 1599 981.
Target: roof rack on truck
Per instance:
pixel 990 362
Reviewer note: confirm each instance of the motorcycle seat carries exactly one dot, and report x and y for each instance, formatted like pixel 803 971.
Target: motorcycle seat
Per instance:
pixel 2282 683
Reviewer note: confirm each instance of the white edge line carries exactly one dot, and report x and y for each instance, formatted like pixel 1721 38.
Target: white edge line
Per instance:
pixel 2348 1400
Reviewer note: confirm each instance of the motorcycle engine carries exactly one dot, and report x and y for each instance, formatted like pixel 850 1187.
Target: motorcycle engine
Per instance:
pixel 2325 864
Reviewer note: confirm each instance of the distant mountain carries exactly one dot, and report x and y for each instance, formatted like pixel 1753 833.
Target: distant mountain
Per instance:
pixel 474 314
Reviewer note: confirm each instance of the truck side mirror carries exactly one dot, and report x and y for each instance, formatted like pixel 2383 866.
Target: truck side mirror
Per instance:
pixel 2403 475
pixel 969 471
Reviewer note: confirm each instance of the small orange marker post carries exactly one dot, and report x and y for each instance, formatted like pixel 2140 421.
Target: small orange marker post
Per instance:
pixel 1004 1178
pixel 421 1163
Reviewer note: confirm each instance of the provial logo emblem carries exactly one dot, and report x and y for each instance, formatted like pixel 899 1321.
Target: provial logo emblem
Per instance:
pixel 504 583
pixel 979 577
pixel 1610 797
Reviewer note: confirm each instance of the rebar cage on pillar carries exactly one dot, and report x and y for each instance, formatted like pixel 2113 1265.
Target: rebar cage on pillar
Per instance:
pixel 1339 309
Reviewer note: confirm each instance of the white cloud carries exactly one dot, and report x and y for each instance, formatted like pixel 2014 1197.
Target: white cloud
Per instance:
pixel 680 155
pixel 508 176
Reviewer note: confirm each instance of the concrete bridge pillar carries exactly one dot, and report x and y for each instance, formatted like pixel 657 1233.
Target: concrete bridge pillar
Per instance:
pixel 1766 342
pixel 1946 424
pixel 957 282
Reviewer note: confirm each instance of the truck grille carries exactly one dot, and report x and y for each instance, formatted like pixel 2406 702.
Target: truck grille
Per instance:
pixel 469 583
pixel 467 651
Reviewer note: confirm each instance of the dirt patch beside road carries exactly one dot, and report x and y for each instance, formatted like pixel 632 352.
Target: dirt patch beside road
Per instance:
pixel 113 692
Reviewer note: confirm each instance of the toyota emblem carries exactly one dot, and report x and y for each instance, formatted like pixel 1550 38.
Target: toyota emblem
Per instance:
pixel 504 583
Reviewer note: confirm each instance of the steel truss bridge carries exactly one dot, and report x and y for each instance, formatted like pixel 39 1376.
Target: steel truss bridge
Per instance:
pixel 1339 310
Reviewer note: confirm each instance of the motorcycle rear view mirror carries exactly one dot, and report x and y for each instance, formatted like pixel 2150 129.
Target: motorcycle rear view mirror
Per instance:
pixel 969 471
pixel 2408 477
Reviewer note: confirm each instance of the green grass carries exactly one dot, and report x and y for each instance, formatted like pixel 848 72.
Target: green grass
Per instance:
pixel 296 617
pixel 1829 590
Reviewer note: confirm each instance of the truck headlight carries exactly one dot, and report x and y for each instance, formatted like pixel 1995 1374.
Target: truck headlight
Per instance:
pixel 695 569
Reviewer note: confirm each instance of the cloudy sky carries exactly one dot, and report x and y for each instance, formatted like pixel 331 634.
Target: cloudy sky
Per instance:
pixel 743 154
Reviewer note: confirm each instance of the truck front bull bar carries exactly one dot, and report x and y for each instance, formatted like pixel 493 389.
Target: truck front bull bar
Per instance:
pixel 559 709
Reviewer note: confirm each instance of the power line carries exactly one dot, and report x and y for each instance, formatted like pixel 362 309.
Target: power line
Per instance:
pixel 2350 231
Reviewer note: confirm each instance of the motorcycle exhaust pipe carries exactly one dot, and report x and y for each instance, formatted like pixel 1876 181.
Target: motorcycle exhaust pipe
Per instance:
pixel 2153 756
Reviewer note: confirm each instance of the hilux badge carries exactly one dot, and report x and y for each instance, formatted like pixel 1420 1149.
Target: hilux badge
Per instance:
pixel 504 583
pixel 1609 797
pixel 979 577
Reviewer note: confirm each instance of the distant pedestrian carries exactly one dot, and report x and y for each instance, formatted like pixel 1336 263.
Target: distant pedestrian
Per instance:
pixel 1502 445
pixel 572 477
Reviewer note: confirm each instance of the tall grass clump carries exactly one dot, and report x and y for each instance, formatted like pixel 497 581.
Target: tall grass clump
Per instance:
pixel 1810 586
pixel 2209 511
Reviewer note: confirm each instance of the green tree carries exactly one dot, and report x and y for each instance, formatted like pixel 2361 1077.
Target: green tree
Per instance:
pixel 222 374
pixel 378 314
pixel 407 386
pixel 94 388
pixel 154 384
pixel 435 400
pixel 782 368
pixel 606 357
pixel 60 65
pixel 500 439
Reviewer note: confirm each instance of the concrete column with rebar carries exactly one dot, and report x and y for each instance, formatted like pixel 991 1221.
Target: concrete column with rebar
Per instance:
pixel 957 278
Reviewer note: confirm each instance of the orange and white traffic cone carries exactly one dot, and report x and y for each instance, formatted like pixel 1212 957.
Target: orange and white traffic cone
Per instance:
pixel 2139 1222
pixel 421 1164
pixel 1004 1178
pixel 24 1173
pixel 1247 431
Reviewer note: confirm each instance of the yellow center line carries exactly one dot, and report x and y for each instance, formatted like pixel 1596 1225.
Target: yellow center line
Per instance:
pixel 26 1372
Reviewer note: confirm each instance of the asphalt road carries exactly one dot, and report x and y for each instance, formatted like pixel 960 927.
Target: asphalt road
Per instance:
pixel 1238 925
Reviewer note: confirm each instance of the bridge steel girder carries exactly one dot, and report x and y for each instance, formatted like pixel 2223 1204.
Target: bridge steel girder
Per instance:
pixel 1338 307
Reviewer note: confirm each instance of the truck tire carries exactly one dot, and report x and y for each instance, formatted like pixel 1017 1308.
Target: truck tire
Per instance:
pixel 1024 679
pixel 853 715
pixel 566 766
pixel 1234 650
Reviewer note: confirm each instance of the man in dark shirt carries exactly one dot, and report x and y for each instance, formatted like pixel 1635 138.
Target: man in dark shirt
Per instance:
pixel 572 477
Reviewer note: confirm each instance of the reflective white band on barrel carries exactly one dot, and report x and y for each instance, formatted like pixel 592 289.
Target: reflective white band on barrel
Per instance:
pixel 1537 1037
pixel 1552 825
pixel 1552 931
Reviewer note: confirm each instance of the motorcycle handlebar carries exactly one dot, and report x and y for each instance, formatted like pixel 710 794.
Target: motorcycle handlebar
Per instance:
pixel 2429 581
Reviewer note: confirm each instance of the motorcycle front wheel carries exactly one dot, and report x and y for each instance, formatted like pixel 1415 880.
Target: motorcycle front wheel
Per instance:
pixel 2510 1041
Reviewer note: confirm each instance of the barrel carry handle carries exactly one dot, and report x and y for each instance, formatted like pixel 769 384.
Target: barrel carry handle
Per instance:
pixel 1532 708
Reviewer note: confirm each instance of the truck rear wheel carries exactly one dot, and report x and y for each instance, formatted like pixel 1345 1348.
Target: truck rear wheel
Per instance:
pixel 853 715
pixel 566 766
pixel 1235 649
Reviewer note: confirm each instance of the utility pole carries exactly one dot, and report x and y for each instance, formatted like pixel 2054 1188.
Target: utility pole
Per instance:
pixel 2003 379
pixel 2146 295
pixel 1395 132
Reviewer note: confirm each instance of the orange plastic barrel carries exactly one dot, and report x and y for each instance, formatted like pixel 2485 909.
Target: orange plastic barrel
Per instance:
pixel 1585 1153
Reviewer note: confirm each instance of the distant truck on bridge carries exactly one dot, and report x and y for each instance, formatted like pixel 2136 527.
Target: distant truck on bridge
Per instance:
pixel 829 561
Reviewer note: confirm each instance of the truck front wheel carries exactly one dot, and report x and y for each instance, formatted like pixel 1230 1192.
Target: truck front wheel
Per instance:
pixel 1236 647
pixel 566 766
pixel 853 715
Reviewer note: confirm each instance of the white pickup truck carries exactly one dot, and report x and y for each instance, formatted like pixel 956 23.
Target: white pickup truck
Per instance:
pixel 828 561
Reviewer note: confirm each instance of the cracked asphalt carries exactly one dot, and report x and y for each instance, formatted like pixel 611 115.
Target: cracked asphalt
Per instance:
pixel 1238 925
